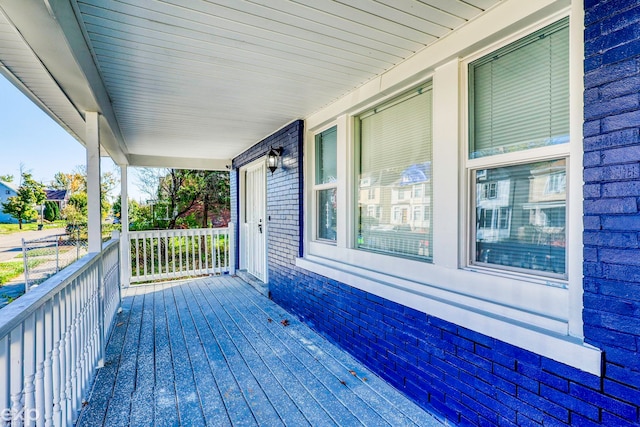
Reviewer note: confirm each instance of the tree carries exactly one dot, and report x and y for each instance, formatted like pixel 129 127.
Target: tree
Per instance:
pixel 6 178
pixel 51 211
pixel 180 189
pixel 214 194
pixel 21 206
pixel 189 197
pixel 76 183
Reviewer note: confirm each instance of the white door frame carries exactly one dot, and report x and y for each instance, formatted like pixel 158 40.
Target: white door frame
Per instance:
pixel 244 234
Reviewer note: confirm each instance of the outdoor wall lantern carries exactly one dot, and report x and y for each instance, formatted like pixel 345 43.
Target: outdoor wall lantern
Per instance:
pixel 272 158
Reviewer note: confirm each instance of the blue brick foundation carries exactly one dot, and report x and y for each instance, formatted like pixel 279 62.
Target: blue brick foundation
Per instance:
pixel 467 377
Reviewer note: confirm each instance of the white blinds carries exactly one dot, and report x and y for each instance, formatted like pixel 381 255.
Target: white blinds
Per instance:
pixel 397 135
pixel 326 160
pixel 394 195
pixel 519 95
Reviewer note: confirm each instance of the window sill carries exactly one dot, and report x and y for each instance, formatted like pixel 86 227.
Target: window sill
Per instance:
pixel 551 341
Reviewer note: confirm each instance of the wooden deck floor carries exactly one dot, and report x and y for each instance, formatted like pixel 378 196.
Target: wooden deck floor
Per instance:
pixel 215 352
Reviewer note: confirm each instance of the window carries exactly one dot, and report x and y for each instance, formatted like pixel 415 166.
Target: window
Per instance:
pixel 519 95
pixel 325 184
pixel 395 173
pixel 556 183
pixel 504 257
pixel 519 103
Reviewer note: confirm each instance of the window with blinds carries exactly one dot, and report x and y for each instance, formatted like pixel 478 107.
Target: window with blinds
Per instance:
pixel 325 188
pixel 519 94
pixel 395 176
pixel 519 223
pixel 519 100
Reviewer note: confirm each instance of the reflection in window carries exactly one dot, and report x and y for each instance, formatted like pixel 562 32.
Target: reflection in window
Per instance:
pixel 325 186
pixel 327 214
pixel 524 225
pixel 395 168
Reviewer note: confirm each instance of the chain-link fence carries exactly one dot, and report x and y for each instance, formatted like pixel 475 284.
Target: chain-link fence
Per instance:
pixel 46 256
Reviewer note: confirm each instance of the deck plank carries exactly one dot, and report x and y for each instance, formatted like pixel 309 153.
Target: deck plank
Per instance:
pixel 262 409
pixel 119 409
pixel 236 405
pixel 142 412
pixel 164 394
pixel 207 390
pixel 278 396
pixel 214 352
pixel 189 407
pixel 102 392
pixel 275 362
pixel 383 397
pixel 335 381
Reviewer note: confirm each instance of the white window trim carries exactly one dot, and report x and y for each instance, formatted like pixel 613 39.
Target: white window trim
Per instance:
pixel 452 291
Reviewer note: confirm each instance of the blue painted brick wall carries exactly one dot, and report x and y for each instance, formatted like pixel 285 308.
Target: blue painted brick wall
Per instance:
pixel 612 195
pixel 284 194
pixel 467 377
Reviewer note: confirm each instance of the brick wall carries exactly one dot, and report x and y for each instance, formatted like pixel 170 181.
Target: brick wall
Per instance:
pixel 612 193
pixel 284 195
pixel 470 378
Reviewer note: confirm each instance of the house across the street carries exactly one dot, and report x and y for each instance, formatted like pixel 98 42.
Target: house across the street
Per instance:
pixel 6 190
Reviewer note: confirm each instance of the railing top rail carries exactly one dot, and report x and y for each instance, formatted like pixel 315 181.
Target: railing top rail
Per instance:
pixel 15 313
pixel 175 231
pixel 46 239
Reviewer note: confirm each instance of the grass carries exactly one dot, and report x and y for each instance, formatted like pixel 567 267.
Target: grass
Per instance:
pixel 32 226
pixel 12 269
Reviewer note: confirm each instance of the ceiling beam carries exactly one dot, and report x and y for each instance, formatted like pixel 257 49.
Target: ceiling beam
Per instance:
pixel 179 162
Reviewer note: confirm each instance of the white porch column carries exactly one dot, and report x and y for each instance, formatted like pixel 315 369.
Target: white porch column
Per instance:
pixel 125 258
pixel 93 182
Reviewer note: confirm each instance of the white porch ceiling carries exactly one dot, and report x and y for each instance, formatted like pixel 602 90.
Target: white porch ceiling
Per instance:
pixel 193 82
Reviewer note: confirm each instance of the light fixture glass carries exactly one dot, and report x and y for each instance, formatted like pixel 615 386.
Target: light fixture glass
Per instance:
pixel 273 157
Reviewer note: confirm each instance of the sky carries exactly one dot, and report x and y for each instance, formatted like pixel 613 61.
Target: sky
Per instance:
pixel 30 137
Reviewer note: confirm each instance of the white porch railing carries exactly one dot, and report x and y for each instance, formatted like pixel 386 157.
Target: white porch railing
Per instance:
pixel 52 340
pixel 174 254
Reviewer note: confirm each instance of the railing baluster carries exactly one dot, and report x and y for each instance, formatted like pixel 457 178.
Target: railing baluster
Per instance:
pixel 137 257
pixel 47 403
pixel 16 357
pixel 196 252
pixel 29 369
pixel 5 394
pixel 152 257
pixel 193 253
pixel 179 240
pixel 166 253
pixel 56 360
pixel 144 254
pixel 41 357
pixel 68 354
pixel 173 253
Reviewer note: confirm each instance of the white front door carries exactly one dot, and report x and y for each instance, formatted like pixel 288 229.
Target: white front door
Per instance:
pixel 255 220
